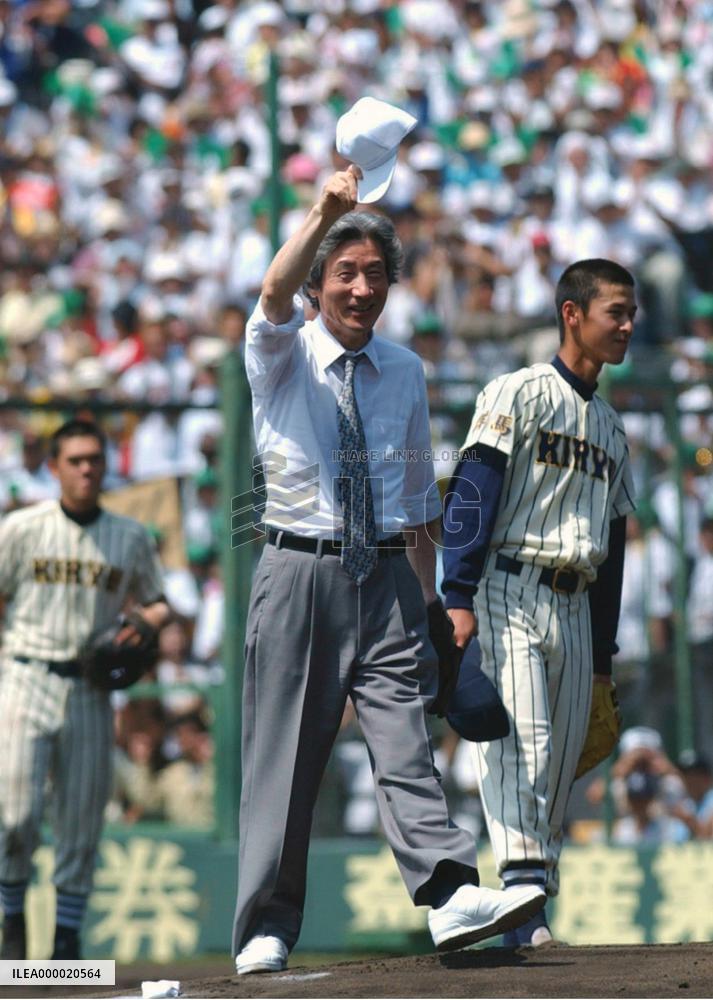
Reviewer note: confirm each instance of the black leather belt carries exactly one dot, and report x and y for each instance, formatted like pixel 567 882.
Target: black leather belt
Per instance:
pixel 562 581
pixel 322 546
pixel 63 668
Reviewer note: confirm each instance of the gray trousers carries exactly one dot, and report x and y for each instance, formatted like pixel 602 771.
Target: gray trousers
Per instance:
pixel 313 639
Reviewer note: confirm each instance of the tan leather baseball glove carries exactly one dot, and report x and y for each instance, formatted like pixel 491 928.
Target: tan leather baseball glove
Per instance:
pixel 604 728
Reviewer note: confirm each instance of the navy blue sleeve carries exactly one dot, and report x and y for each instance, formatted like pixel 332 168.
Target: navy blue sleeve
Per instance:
pixel 470 508
pixel 605 599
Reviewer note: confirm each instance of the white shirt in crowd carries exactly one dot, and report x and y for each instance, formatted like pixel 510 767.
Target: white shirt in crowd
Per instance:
pixel 646 593
pixel 700 600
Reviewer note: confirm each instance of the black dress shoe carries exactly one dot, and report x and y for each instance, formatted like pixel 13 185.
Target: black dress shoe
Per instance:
pixel 14 940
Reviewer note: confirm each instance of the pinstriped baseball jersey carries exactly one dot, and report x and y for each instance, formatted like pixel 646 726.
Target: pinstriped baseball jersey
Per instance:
pixel 68 581
pixel 568 471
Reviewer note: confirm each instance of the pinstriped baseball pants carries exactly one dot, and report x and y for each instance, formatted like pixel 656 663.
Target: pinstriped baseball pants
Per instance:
pixel 52 727
pixel 537 650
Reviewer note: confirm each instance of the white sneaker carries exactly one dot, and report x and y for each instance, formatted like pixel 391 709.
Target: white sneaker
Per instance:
pixel 262 953
pixel 474 913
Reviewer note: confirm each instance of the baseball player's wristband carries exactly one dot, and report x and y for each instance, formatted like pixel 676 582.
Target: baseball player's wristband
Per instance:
pixel 458 599
pixel 602 663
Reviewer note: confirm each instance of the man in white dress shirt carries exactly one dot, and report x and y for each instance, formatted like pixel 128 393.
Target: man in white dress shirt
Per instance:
pixel 338 606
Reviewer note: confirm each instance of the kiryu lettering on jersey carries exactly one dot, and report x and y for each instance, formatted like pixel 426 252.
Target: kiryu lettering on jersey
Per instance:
pixel 85 574
pixel 565 451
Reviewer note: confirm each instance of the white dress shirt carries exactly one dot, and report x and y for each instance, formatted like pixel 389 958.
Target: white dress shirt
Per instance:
pixel 296 371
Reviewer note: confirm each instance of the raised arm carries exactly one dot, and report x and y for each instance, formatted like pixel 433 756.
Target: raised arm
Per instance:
pixel 291 264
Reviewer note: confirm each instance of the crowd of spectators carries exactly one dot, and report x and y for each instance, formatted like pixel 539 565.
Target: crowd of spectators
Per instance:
pixel 135 158
pixel 656 801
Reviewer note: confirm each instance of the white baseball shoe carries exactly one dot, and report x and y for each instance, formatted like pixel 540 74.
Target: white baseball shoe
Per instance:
pixel 262 953
pixel 474 913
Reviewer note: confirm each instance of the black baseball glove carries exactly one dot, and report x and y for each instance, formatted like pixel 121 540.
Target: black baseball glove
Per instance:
pixel 440 632
pixel 111 665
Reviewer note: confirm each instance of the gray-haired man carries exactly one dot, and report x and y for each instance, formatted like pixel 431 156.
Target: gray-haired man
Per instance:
pixel 338 605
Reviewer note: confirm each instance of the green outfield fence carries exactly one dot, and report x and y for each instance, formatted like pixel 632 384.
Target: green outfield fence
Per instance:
pixel 162 895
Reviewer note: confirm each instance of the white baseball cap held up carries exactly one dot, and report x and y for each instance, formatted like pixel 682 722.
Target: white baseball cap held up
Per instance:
pixel 369 135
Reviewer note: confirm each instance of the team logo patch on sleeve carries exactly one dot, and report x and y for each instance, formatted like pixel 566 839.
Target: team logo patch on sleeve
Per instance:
pixel 502 424
pixel 481 421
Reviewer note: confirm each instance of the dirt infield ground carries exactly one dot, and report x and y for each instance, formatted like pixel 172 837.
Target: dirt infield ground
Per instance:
pixel 551 971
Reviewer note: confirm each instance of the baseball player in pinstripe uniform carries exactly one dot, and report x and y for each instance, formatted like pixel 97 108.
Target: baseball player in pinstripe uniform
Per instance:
pixel 534 531
pixel 68 569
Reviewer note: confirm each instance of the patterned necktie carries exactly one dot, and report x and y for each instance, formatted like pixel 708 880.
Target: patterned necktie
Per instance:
pixel 359 554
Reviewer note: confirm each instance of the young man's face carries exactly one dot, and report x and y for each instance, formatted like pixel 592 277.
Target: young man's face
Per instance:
pixel 604 331
pixel 79 467
pixel 353 293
